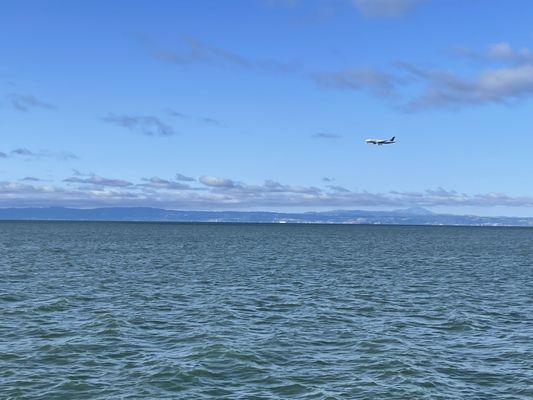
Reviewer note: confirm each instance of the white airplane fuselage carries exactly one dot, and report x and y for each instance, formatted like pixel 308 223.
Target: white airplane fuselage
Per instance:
pixel 380 142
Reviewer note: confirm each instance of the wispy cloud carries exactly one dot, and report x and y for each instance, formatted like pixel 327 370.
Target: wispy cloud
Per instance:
pixel 501 52
pixel 26 102
pixel 504 52
pixel 284 3
pixel 31 179
pixel 149 125
pixel 160 183
pixel 385 8
pixel 63 155
pixel 184 178
pixel 506 83
pixel 191 51
pixel 28 154
pixel 340 189
pixel 325 135
pixel 97 180
pixel 211 121
pixel 23 152
pixel 224 193
pixel 174 113
pixel 373 80
pixel 406 86
pixel 214 181
pixel 205 120
pixel 367 8
pixel 505 77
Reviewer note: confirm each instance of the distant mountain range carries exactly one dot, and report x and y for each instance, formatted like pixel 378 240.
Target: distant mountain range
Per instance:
pixel 410 216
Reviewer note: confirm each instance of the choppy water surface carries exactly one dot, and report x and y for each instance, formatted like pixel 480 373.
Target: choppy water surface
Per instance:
pixel 177 311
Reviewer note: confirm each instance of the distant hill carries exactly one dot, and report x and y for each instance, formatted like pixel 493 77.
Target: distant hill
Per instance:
pixel 410 216
pixel 415 211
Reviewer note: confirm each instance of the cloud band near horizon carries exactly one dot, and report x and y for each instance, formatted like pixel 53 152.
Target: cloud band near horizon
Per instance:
pixel 209 192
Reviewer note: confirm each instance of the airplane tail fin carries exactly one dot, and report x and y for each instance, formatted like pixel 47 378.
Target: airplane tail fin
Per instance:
pixel 392 140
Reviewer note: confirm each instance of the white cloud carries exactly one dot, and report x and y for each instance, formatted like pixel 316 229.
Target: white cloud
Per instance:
pixel 223 193
pixel 507 81
pixel 496 85
pixel 214 181
pixel 500 52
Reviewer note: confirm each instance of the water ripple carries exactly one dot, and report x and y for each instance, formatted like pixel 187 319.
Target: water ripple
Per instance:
pixel 170 311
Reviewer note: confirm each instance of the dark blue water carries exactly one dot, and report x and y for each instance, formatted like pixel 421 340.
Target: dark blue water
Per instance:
pixel 172 311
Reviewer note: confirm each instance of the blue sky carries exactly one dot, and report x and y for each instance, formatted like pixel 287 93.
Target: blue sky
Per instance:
pixel 266 104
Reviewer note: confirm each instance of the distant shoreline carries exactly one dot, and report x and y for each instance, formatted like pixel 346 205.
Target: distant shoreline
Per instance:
pixel 256 223
pixel 407 217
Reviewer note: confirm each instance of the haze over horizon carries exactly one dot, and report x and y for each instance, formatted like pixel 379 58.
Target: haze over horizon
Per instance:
pixel 265 105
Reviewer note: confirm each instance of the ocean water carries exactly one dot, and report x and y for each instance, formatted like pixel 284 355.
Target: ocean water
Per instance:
pixel 215 311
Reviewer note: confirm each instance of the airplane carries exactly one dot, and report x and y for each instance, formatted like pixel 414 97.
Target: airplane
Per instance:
pixel 379 142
